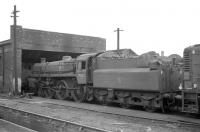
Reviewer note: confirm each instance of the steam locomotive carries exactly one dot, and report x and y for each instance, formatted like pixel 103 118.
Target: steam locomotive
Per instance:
pixel 123 77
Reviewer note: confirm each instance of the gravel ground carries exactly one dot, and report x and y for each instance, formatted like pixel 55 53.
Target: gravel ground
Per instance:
pixel 96 119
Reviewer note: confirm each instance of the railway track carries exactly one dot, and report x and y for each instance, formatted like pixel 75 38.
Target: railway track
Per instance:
pixel 141 116
pixel 43 123
pixel 156 117
pixel 181 122
pixel 151 118
pixel 6 126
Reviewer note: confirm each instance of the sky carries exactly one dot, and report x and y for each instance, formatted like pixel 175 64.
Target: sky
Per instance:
pixel 149 25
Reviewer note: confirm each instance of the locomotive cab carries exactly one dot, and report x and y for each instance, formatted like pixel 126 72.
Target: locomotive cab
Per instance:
pixel 84 68
pixel 81 71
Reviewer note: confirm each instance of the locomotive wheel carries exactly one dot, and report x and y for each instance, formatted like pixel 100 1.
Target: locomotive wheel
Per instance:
pixel 79 94
pixel 45 92
pixel 41 92
pixel 50 93
pixel 61 90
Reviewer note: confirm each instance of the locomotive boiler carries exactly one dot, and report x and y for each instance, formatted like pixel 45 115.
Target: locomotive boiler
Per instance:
pixel 113 76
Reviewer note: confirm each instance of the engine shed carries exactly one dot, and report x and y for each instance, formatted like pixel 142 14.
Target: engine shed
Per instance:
pixel 32 45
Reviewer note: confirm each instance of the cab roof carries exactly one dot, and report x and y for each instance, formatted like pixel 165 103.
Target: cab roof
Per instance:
pixel 86 56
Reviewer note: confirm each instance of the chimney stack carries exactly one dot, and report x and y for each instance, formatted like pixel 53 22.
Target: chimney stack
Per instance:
pixel 162 53
pixel 43 60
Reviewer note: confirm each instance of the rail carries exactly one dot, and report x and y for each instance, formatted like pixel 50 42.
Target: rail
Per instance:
pixel 42 123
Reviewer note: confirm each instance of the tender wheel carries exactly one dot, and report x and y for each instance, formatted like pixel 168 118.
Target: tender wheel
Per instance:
pixel 61 91
pixel 124 103
pixel 164 105
pixel 103 101
pixel 150 107
pixel 101 96
pixel 79 94
pixel 90 95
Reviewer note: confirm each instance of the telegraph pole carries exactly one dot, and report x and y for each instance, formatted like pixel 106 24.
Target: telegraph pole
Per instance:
pixel 15 49
pixel 118 36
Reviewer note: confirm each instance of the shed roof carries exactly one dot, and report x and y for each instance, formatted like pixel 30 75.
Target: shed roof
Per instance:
pixel 5 42
pixel 86 56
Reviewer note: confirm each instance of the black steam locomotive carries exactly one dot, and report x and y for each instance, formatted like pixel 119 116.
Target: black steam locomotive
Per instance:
pixel 123 77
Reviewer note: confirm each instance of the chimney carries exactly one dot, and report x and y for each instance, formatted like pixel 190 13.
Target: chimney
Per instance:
pixel 43 60
pixel 173 61
pixel 162 53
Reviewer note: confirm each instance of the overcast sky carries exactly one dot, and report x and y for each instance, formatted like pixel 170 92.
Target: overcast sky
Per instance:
pixel 149 25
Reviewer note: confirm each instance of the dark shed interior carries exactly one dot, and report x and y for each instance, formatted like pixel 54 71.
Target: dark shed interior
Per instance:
pixel 30 57
pixel 34 56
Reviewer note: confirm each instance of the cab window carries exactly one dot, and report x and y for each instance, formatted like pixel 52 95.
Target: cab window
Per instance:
pixel 82 65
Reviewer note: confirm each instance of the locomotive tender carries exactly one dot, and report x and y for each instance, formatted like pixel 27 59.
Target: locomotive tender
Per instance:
pixel 110 76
